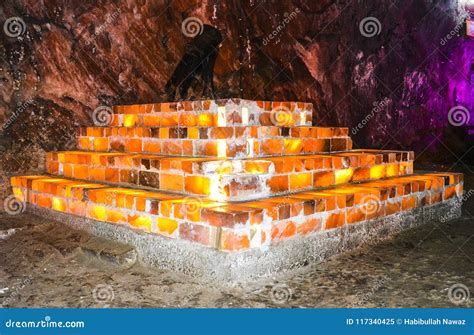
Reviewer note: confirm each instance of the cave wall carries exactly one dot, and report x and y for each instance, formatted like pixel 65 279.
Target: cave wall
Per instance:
pixel 392 81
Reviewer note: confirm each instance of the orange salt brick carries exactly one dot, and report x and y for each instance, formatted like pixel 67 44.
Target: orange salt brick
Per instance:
pixel 356 214
pixel 300 181
pixel 393 170
pixel 194 232
pixel 393 207
pixel 255 167
pixel 167 226
pixel 283 230
pixel 197 185
pixel 322 179
pixel 278 184
pixel 95 132
pixel 133 145
pixel 97 173
pixel 168 120
pixel 172 147
pixel 343 176
pixel 53 167
pixel 292 146
pixel 449 192
pixel 408 202
pixel 335 220
pixel 171 182
pixel 377 172
pixel 130 120
pixel 187 147
pixel 101 144
pixel 151 120
pixel 81 172
pixel 67 170
pixel 224 217
pixel 272 146
pixel 112 175
pixel 140 204
pixel 361 174
pixel 152 147
pixel 205 120
pixel 116 216
pixel 435 197
pixel 59 204
pixel 140 222
pixel 77 208
pixel 231 241
pixel 96 212
pixel 308 226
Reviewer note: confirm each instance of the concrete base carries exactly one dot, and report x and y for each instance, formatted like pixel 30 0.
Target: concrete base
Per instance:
pixel 226 268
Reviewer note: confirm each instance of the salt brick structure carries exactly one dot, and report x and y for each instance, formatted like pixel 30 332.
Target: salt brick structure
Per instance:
pixel 236 177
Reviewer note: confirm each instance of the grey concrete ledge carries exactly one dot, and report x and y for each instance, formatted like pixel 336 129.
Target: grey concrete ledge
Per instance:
pixel 223 268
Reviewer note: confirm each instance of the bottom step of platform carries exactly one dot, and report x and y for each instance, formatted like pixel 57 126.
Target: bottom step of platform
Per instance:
pixel 223 268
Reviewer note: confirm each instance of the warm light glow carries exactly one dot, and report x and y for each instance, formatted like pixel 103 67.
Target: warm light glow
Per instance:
pixel 343 176
pixel 302 118
pixel 377 172
pixel 221 121
pixel 217 192
pixel 59 204
pixel 221 149
pixel 99 213
pixel 245 116
pixel 129 120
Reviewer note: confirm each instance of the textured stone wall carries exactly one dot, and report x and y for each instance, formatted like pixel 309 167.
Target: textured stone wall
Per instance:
pixel 394 89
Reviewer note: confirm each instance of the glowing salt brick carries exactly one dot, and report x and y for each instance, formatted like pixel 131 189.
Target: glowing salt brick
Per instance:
pixel 67 170
pixel 256 167
pixel 53 167
pixel 302 118
pixel 205 120
pixel 81 172
pixel 140 222
pixel 169 120
pixel 393 207
pixel 272 146
pixel 278 184
pixel 335 220
pixel 221 148
pixel 449 192
pixel 101 143
pixel 77 208
pixel 245 116
pixel 59 204
pixel 195 232
pixel 292 146
pixel 231 241
pixel 355 214
pixel 112 175
pixel 97 212
pixel 171 182
pixel 167 226
pixel 152 147
pixel 300 181
pixel 393 170
pixel 322 179
pixel 321 145
pixel 408 202
pixel 343 176
pixel 283 230
pixel 197 185
pixel 130 120
pixel 377 172
pixel 97 173
pixel 133 145
pixel 224 216
pixel 308 226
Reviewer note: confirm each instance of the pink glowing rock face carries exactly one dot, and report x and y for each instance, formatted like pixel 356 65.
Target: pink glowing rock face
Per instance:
pixel 470 27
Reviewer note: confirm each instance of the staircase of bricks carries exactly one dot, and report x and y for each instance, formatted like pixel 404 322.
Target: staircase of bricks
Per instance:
pixel 230 175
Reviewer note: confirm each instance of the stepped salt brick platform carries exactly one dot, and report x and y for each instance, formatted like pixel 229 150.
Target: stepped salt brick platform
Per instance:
pixel 226 214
